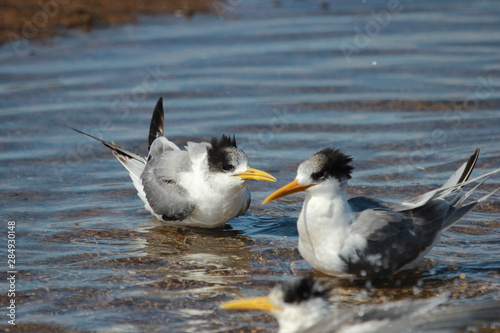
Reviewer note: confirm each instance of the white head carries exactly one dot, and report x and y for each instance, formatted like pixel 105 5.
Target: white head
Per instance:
pixel 297 305
pixel 227 165
pixel 326 171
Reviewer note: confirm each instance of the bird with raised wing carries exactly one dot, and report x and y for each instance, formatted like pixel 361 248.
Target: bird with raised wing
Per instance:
pixel 308 305
pixel 203 186
pixel 366 236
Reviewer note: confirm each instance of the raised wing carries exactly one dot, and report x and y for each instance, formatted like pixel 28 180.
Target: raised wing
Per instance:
pixel 157 127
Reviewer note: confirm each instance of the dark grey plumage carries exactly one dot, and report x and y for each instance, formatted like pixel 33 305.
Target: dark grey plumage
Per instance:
pixel 399 234
pixel 396 238
pixel 160 191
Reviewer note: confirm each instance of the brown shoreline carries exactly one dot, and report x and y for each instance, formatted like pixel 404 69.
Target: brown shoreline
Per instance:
pixel 22 20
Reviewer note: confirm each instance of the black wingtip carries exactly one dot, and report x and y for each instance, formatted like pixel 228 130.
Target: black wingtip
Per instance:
pixel 157 127
pixel 107 144
pixel 117 150
pixel 471 163
pixel 90 136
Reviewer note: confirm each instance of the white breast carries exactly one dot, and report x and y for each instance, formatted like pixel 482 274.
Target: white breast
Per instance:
pixel 217 201
pixel 323 226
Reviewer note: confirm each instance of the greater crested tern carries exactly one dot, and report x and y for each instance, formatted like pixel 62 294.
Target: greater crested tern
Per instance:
pixel 203 186
pixel 308 305
pixel 366 236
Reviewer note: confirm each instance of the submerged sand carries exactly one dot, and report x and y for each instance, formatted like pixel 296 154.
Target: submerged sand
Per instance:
pixel 34 19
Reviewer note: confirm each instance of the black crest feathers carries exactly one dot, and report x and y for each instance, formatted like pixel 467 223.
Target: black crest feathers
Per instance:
pixel 336 164
pixel 217 153
pixel 303 289
pixel 225 141
pixel 157 127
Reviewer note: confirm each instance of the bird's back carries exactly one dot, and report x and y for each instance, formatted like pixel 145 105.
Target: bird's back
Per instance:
pixel 393 239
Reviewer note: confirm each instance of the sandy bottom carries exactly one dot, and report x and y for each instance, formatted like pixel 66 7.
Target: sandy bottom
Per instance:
pixel 33 19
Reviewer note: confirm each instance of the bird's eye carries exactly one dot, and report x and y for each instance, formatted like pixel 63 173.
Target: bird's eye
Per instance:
pixel 227 167
pixel 318 175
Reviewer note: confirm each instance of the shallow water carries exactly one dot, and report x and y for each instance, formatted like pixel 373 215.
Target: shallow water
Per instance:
pixel 413 100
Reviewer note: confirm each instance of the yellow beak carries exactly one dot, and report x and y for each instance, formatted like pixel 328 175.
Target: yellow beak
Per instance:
pixel 291 188
pixel 256 174
pixel 255 303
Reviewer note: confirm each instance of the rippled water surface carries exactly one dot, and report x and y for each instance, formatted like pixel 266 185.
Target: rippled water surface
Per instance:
pixel 409 93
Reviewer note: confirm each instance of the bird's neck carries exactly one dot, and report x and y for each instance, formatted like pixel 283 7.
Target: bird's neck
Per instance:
pixel 332 210
pixel 330 200
pixel 298 318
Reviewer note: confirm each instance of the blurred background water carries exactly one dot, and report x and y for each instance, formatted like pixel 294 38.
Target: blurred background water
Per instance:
pixel 408 88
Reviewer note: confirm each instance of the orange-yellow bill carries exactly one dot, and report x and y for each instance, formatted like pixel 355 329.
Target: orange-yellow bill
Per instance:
pixel 256 174
pixel 291 188
pixel 255 303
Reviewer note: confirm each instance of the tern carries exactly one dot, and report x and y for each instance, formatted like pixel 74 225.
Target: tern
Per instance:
pixel 203 186
pixel 366 236
pixel 307 305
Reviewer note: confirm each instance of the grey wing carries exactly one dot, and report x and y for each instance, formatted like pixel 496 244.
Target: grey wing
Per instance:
pixel 393 239
pixel 377 315
pixel 403 308
pixel 245 207
pixel 359 204
pixel 164 193
pixel 457 320
pixel 334 322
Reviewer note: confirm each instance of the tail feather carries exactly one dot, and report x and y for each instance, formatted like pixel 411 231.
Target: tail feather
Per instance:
pixel 455 182
pixel 466 195
pixel 442 192
pixel 157 127
pixel 456 213
pixel 488 195
pixel 439 192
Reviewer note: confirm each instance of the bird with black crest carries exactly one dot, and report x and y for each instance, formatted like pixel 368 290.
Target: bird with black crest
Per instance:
pixel 310 305
pixel 366 236
pixel 202 186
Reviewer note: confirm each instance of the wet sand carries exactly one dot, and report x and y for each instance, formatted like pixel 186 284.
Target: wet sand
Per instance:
pixel 34 19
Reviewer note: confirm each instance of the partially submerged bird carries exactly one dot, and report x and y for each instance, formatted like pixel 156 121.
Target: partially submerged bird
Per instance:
pixel 203 186
pixel 366 236
pixel 306 305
